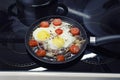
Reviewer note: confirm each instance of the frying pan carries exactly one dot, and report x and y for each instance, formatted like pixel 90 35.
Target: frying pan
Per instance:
pixel 99 41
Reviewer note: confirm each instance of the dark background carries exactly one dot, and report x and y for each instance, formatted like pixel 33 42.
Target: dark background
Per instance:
pixel 4 4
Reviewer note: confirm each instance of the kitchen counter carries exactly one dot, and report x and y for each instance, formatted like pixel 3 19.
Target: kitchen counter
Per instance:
pixel 56 75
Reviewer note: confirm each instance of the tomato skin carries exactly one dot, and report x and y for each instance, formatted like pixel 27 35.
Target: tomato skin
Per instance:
pixel 41 53
pixel 60 58
pixel 59 31
pixel 44 24
pixel 74 49
pixel 57 22
pixel 32 43
pixel 75 31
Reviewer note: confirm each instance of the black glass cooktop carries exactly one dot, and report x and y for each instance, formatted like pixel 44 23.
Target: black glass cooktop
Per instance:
pixel 13 54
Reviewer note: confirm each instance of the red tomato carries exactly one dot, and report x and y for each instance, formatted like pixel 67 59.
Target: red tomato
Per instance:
pixel 32 43
pixel 44 24
pixel 60 58
pixel 59 31
pixel 41 53
pixel 75 31
pixel 74 49
pixel 57 22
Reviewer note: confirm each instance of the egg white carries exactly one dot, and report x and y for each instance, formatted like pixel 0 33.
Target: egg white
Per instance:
pixel 51 45
pixel 66 35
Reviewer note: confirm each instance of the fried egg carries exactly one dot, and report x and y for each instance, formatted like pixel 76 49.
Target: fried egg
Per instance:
pixel 56 43
pixel 41 34
pixel 51 40
pixel 61 41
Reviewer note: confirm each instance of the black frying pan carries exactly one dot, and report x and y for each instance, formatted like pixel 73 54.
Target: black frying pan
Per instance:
pixel 99 41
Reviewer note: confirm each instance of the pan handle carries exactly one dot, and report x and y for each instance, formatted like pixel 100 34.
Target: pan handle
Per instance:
pixel 97 41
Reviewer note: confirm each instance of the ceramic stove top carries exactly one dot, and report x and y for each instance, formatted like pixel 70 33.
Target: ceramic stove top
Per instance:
pixel 14 57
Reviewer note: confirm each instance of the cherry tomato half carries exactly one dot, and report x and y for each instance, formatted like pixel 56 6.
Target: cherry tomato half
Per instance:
pixel 44 24
pixel 57 22
pixel 60 58
pixel 32 43
pixel 75 31
pixel 59 31
pixel 41 53
pixel 74 49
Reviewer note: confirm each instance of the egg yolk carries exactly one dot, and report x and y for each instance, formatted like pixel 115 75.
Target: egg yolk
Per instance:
pixel 58 41
pixel 43 35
